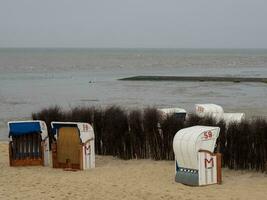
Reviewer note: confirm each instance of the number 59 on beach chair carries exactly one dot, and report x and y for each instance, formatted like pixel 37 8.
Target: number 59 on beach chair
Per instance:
pixel 29 143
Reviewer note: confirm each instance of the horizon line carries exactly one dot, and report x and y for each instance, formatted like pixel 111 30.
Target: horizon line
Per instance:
pixel 191 48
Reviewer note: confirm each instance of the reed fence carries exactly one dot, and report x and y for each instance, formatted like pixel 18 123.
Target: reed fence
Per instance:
pixel 146 133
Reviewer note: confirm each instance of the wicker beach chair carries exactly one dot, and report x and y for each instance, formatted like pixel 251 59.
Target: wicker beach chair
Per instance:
pixel 29 144
pixel 74 146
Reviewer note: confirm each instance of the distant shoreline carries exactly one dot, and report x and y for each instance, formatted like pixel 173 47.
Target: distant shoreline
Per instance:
pixel 195 78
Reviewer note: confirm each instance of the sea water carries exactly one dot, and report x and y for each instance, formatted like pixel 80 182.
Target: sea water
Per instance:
pixel 31 79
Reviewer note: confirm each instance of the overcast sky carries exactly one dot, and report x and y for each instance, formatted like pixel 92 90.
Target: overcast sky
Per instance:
pixel 134 23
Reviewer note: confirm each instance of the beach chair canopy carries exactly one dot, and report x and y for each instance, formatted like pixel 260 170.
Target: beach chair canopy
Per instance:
pixel 18 128
pixel 208 109
pixel 86 131
pixel 187 143
pixel 172 110
pixel 179 112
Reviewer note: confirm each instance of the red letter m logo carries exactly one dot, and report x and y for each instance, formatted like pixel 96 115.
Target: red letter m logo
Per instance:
pixel 209 163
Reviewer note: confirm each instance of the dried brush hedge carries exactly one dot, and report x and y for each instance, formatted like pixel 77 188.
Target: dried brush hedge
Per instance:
pixel 154 136
pixel 170 126
pixel 146 133
pixel 137 134
pixel 115 132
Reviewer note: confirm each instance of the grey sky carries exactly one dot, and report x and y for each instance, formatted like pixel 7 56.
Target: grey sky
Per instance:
pixel 134 23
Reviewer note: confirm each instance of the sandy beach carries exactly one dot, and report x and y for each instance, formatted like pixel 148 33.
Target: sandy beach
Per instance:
pixel 118 179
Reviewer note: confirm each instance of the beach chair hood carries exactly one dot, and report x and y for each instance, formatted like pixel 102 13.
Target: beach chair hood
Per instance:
pixel 180 113
pixel 188 141
pixel 212 110
pixel 17 128
pixel 85 130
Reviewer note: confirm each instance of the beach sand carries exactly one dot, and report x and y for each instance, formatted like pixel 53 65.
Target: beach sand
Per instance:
pixel 117 179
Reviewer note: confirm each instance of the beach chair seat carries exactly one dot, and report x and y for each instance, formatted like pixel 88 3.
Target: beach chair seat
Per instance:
pixel 69 147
